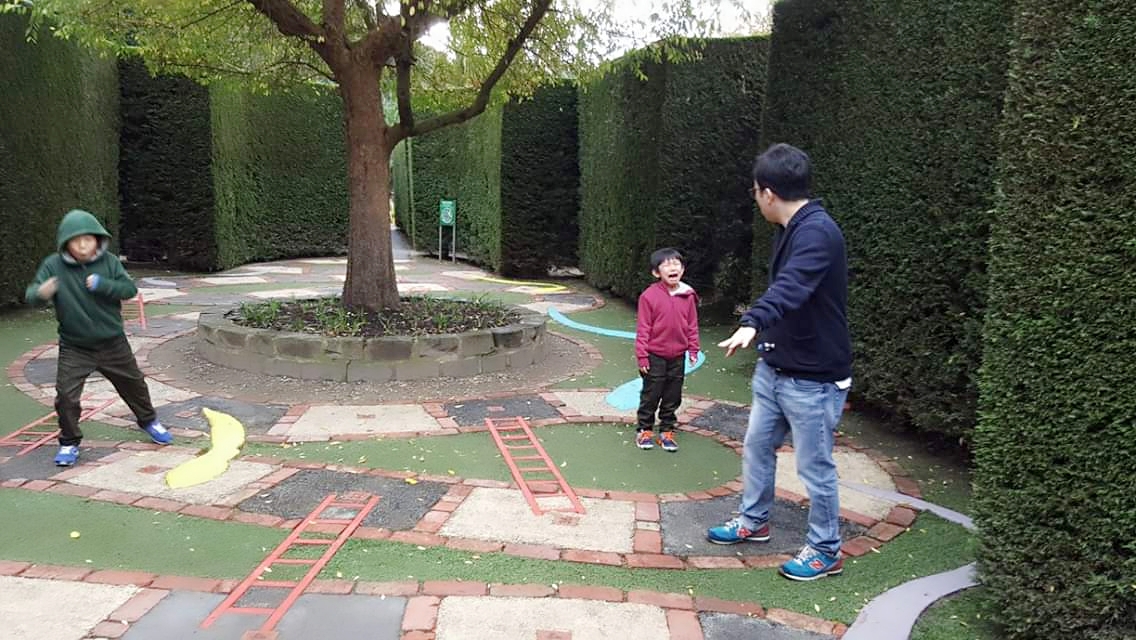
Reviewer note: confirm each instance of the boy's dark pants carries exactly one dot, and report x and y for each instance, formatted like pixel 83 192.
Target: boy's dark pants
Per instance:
pixel 115 360
pixel 662 390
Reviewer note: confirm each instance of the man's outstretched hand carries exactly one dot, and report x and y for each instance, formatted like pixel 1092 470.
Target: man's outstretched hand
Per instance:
pixel 743 337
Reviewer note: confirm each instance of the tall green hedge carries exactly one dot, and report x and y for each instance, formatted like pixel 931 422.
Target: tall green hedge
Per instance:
pixel 540 182
pixel 664 161
pixel 1055 490
pixel 59 144
pixel 620 118
pixel 897 101
pixel 460 163
pixel 512 172
pixel 279 174
pixel 165 182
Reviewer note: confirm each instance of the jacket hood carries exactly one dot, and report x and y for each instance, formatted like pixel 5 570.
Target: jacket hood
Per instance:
pixel 76 223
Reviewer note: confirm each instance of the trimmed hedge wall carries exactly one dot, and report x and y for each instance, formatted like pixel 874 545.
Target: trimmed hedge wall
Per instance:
pixel 665 161
pixel 514 175
pixel 279 175
pixel 897 101
pixel 165 182
pixel 59 144
pixel 540 183
pixel 460 163
pixel 1055 492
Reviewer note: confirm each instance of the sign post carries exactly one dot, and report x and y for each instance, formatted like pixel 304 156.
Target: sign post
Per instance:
pixel 448 217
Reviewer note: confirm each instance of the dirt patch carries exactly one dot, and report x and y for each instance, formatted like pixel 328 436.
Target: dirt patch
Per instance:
pixel 178 359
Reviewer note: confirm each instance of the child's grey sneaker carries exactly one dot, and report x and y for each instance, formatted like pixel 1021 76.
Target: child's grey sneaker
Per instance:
pixel 67 456
pixel 158 433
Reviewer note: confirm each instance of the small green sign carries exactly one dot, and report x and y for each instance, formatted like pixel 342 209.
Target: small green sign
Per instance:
pixel 447 212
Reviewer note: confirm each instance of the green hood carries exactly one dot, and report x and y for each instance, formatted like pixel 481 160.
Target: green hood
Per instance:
pixel 76 223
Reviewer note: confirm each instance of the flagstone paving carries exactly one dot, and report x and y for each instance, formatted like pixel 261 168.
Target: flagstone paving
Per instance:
pixel 618 528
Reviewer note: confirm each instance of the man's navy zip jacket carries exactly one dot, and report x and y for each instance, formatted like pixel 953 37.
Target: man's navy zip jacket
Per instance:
pixel 802 317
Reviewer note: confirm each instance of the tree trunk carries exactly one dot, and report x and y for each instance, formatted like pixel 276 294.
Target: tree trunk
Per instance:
pixel 370 264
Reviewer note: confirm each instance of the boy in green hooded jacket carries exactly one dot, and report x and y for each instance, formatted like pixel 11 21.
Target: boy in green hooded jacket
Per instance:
pixel 87 285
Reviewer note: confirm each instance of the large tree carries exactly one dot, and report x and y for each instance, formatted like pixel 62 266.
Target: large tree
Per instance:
pixel 364 48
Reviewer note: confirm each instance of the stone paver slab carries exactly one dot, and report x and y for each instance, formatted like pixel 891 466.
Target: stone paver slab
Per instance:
pixel 144 473
pixel 850 465
pixel 729 626
pixel 400 507
pixel 471 413
pixel 38 463
pixel 493 618
pixel 323 421
pixel 30 608
pixel 153 294
pixel 225 280
pixel 591 403
pixel 504 515
pixel 272 268
pixel 187 414
pixel 420 287
pixel 684 527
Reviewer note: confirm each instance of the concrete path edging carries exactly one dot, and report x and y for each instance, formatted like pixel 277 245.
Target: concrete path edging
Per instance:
pixel 892 615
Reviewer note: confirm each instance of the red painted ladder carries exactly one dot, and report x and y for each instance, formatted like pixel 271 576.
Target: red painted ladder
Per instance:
pixel 515 435
pixel 360 503
pixel 30 436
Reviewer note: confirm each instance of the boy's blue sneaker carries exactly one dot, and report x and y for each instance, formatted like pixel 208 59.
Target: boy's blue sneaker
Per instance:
pixel 811 564
pixel 733 532
pixel 667 441
pixel 158 433
pixel 67 456
pixel 645 439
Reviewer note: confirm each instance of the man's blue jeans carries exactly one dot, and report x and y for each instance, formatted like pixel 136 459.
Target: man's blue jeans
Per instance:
pixel 812 410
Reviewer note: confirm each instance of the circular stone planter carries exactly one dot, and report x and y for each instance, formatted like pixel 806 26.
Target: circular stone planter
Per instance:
pixel 350 359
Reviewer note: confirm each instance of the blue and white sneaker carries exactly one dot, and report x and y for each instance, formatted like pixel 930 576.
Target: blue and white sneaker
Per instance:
pixel 67 456
pixel 158 433
pixel 811 564
pixel 733 532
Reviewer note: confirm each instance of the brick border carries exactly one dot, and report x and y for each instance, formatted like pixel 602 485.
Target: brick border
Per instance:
pixel 419 620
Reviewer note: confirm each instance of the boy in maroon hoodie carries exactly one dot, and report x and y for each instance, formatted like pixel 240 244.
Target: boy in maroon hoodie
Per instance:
pixel 666 333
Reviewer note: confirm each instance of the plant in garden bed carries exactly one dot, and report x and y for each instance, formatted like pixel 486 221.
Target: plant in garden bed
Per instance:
pixel 417 315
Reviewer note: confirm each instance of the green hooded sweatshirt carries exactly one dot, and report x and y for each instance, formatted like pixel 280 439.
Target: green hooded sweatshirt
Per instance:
pixel 87 317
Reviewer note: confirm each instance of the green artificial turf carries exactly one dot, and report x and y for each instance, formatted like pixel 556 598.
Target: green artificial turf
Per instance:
pixel 21 331
pixel 964 616
pixel 37 528
pixel 592 456
pixel 932 546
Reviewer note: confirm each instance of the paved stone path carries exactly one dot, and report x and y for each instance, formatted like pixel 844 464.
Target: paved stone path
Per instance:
pixel 618 529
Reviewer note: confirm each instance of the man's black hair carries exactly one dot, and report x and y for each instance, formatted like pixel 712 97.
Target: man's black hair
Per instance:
pixel 662 255
pixel 785 170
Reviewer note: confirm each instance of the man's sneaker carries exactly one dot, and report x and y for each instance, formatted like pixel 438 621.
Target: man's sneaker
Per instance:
pixel 645 439
pixel 67 456
pixel 733 532
pixel 158 433
pixel 811 564
pixel 667 441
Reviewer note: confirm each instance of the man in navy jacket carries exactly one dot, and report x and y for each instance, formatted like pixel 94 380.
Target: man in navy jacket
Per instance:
pixel 804 373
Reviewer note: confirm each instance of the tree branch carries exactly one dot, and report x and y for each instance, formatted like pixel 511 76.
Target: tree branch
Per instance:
pixel 335 20
pixel 405 113
pixel 288 19
pixel 400 132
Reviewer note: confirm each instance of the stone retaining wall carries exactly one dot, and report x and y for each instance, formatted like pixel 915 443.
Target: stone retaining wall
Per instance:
pixel 303 355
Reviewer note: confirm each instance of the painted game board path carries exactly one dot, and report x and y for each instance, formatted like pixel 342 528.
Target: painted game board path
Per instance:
pixel 423 599
pixel 105 478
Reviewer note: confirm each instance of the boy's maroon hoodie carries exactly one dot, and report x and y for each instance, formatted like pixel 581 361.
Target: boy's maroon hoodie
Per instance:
pixel 667 322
